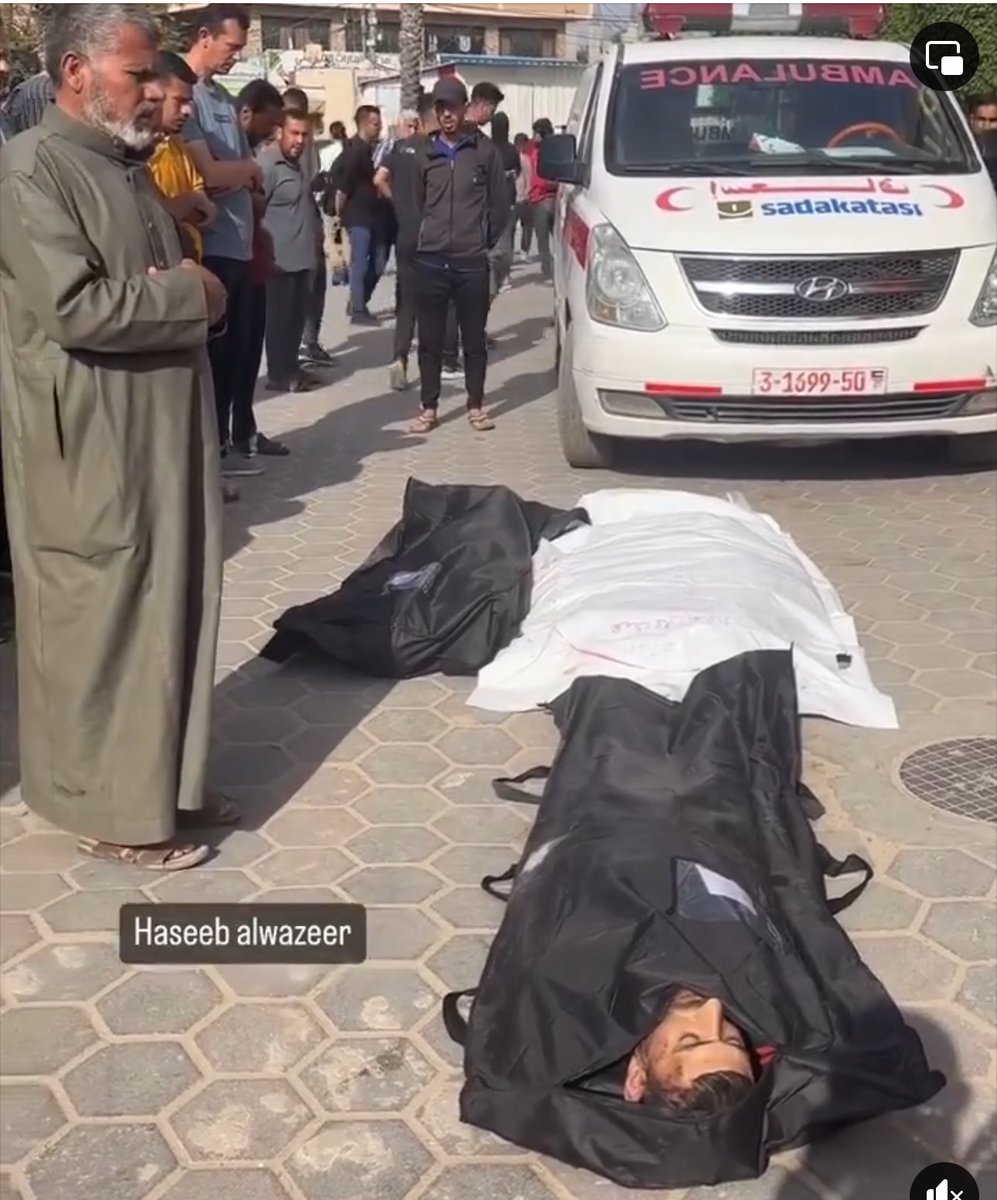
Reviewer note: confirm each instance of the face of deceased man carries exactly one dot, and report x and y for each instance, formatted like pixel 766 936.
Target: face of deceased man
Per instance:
pixel 694 1039
pixel 116 89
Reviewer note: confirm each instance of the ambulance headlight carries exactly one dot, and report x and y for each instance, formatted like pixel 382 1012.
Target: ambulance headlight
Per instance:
pixel 985 309
pixel 616 290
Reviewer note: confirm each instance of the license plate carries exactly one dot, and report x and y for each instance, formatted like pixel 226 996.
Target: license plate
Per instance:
pixel 839 381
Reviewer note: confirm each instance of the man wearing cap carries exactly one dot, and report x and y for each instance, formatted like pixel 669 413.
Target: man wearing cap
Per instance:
pixel 463 212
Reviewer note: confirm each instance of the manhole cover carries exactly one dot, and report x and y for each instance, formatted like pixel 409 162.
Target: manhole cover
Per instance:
pixel 959 776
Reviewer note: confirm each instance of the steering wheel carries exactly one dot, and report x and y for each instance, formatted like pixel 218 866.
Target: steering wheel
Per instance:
pixel 863 127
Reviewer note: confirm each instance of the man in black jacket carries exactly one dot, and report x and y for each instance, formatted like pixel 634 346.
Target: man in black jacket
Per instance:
pixel 462 192
pixel 352 197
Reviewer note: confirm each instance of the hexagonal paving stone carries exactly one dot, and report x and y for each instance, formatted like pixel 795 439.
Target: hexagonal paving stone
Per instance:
pixel 67 971
pixel 909 633
pixel 968 929
pixel 399 933
pixel 275 981
pixel 952 1042
pixel 39 1040
pixel 488 1181
pixel 440 1116
pixel 102 1162
pixel 29 1114
pixel 775 1184
pixel 392 885
pixel 469 864
pixel 874 1158
pixel 40 852
pixel 979 992
pixel 939 873
pixel 367 1075
pixel 17 934
pixel 227 1185
pixel 326 744
pixel 907 969
pixel 365 997
pixel 252 766
pixel 479 747
pixel 468 785
pixel 412 725
pixel 395 844
pixel 159 1002
pixel 482 825
pixel 272 725
pixel 470 908
pixel 314 866
pixel 28 893
pixel 90 912
pixel 259 1039
pixel 346 1160
pixel 399 806
pixel 138 1079
pixel 459 962
pixel 415 693
pixel 881 907
pixel 313 827
pixel 235 1119
pixel 204 887
pixel 402 764
pixel 331 786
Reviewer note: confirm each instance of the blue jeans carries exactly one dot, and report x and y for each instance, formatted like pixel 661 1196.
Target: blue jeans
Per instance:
pixel 368 258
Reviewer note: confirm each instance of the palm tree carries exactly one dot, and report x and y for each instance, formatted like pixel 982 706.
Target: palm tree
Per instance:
pixel 410 43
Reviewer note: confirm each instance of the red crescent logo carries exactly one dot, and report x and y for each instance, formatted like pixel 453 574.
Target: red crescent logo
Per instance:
pixel 664 201
pixel 954 199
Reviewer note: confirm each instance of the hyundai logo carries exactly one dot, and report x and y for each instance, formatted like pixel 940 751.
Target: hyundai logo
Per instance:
pixel 822 289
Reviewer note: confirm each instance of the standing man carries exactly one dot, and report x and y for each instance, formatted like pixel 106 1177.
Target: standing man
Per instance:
pixel 173 170
pixel 501 256
pixel 260 111
pixel 223 156
pixel 485 99
pixel 357 204
pixel 463 210
pixel 312 350
pixel 399 180
pixel 292 221
pixel 542 199
pixel 111 459
pixel 26 104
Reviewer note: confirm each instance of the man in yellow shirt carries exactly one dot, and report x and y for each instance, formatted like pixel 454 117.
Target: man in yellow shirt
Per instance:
pixel 173 170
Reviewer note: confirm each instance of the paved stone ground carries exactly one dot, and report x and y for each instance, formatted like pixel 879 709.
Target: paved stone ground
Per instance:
pixel 270 1083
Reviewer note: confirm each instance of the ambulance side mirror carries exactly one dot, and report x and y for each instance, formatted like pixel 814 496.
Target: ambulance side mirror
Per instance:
pixel 558 159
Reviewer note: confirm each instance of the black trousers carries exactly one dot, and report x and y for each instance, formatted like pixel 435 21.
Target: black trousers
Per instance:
pixel 542 215
pixel 248 370
pixel 228 353
pixel 316 304
pixel 288 297
pixel 436 289
pixel 406 284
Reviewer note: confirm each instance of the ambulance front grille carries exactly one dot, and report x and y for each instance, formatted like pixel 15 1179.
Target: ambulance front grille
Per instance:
pixel 817 337
pixel 821 287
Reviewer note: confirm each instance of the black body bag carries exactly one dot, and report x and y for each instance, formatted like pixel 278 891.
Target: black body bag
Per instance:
pixel 672 846
pixel 446 589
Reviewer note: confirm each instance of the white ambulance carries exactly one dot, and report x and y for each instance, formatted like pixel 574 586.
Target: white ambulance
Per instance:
pixel 771 237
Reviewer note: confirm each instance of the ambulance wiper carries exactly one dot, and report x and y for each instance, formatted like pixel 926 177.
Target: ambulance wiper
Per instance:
pixel 691 166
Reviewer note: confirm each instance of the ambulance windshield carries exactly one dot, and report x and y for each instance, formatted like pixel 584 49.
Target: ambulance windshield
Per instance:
pixel 768 116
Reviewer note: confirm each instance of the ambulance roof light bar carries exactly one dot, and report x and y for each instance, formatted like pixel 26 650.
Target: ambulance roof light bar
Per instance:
pixel 855 20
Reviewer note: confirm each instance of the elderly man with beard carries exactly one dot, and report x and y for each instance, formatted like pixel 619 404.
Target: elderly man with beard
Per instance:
pixel 111 458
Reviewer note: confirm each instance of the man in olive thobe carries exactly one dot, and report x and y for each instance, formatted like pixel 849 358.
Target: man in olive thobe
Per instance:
pixel 110 451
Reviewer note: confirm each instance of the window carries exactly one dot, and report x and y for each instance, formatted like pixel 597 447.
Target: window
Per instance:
pixel 455 39
pixel 290 33
pixel 528 43
pixel 387 38
pixel 355 40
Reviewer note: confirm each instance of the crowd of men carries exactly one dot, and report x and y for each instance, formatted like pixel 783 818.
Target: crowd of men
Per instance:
pixel 157 237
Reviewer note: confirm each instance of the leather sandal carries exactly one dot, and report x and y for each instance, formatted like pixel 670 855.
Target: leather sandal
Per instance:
pixel 168 856
pixel 425 422
pixel 480 421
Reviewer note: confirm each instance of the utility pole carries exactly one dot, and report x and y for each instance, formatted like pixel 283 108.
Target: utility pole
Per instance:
pixel 410 47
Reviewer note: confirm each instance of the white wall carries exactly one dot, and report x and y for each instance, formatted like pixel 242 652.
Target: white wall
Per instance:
pixel 530 92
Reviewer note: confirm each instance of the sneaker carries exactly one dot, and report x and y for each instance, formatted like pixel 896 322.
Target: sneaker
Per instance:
pixel 398 376
pixel 270 448
pixel 365 319
pixel 506 287
pixel 316 355
pixel 452 373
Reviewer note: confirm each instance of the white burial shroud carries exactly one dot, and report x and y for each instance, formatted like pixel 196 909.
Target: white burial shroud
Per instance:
pixel 664 584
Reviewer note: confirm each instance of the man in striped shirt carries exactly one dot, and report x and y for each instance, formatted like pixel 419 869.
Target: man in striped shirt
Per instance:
pixel 26 104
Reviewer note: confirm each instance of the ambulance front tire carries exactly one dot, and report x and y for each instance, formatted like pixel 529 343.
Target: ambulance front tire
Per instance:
pixel 581 448
pixel 973 450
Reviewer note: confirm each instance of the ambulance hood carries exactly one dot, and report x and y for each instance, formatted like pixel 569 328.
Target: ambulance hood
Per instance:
pixel 819 214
